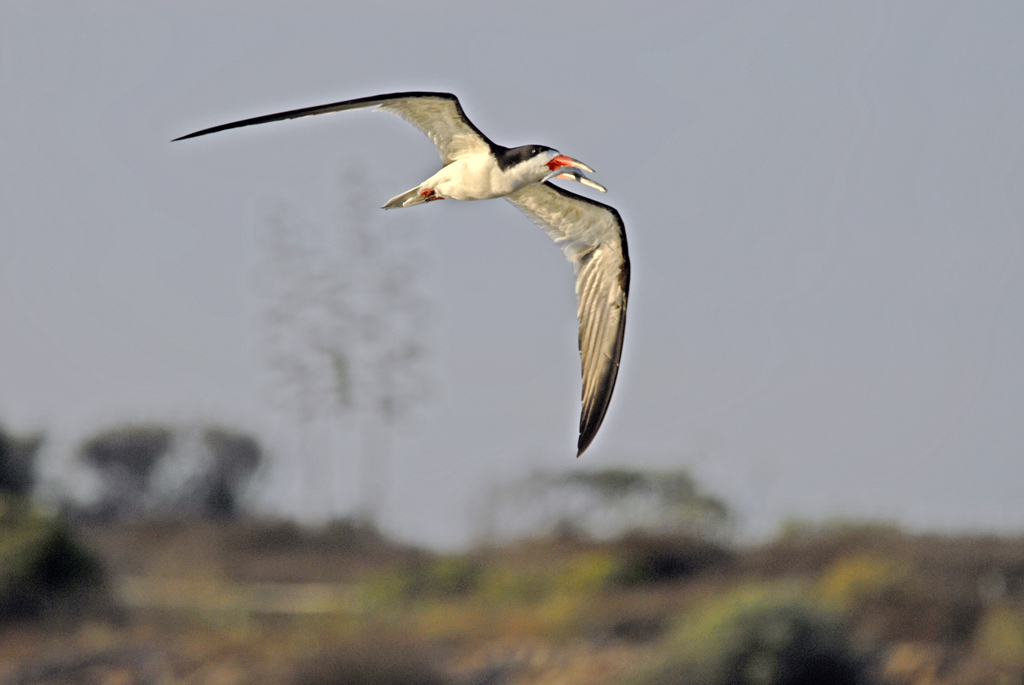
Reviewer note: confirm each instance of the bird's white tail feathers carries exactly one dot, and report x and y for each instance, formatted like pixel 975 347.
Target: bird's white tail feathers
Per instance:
pixel 406 199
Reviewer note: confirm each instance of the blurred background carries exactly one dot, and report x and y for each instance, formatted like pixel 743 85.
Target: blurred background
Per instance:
pixel 242 407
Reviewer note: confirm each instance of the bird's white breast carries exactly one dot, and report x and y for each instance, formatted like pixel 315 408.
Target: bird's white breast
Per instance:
pixel 477 177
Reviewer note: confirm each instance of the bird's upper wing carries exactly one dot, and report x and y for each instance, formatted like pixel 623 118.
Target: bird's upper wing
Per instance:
pixel 594 239
pixel 438 115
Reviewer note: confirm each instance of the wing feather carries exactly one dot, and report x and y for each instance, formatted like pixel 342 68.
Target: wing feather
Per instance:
pixel 438 115
pixel 593 238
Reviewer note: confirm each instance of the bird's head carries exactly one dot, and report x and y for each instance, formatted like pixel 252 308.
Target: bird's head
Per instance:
pixel 543 163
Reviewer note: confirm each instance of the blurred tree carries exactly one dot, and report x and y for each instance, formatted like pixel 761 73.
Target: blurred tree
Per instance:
pixel 17 462
pixel 343 320
pixel 609 502
pixel 124 459
pixel 159 470
pixel 236 457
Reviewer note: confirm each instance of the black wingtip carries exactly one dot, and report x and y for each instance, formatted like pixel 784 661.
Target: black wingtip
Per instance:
pixel 196 134
pixel 215 129
pixel 186 137
pixel 584 443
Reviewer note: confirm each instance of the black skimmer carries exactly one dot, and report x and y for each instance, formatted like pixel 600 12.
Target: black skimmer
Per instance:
pixel 591 234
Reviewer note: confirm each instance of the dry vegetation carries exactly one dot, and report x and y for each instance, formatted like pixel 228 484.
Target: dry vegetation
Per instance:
pixel 262 602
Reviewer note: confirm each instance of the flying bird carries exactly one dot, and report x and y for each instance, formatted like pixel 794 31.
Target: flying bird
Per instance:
pixel 591 234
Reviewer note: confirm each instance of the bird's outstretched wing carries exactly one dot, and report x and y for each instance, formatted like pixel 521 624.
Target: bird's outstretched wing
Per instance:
pixel 438 115
pixel 594 239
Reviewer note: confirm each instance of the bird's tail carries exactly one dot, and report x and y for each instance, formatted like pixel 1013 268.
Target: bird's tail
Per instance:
pixel 408 199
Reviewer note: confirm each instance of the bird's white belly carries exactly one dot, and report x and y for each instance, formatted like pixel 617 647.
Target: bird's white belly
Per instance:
pixel 474 178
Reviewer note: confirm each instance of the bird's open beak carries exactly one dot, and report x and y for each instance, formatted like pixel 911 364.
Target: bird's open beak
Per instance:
pixel 563 161
pixel 577 176
pixel 566 168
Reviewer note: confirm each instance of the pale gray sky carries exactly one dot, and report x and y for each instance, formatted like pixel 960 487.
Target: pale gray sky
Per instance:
pixel 824 206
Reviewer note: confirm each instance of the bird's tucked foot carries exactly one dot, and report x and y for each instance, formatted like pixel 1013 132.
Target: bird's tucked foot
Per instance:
pixel 412 197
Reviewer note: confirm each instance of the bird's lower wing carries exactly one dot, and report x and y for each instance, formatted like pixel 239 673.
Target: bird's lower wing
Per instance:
pixel 594 240
pixel 438 115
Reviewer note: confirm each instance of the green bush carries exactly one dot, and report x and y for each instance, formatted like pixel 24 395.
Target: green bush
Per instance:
pixel 1000 636
pixel 585 573
pixel 423 577
pixel 454 576
pixel 42 566
pixel 757 635
pixel 506 583
pixel 854 578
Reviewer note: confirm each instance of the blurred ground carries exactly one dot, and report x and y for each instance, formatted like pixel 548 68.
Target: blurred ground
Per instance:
pixel 269 602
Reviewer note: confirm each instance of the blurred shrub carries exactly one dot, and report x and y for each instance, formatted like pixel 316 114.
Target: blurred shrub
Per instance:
pixel 453 576
pixel 373 658
pixel 425 577
pixel 43 568
pixel 388 587
pixel 856 578
pixel 341 535
pixel 757 635
pixel 808 548
pixel 648 560
pixel 586 572
pixel 513 584
pixel 444 576
pixel 17 462
pixel 499 580
pixel 1000 636
pixel 891 597
pixel 894 586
